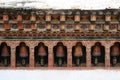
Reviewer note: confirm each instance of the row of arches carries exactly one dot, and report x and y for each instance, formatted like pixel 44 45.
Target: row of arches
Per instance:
pixel 60 55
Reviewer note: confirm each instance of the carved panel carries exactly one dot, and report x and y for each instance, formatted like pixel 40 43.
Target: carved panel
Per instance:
pixel 12 17
pixel 26 17
pixel 55 17
pixel 93 17
pixel 1 17
pixel 48 26
pixel 14 27
pixel 84 18
pixel 106 27
pixel 69 17
pixel 99 27
pixel 40 17
pixel 114 18
pixel 118 26
pixel 69 27
pixel 27 26
pixel 2 27
pixel 77 17
pixel 41 26
pixel 48 17
pixel 108 18
pixel 19 17
pixel 113 27
pixel 62 18
pixel 77 27
pixel 100 18
pixel 55 27
pixel 84 27
pixel 33 18
pixel 5 17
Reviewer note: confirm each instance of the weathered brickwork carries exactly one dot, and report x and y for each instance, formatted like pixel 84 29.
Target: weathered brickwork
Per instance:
pixel 53 26
pixel 52 43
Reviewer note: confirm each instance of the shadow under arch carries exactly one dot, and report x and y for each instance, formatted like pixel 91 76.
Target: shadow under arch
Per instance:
pixel 41 55
pixel 5 54
pixel 115 54
pixel 98 55
pixel 79 55
pixel 60 55
pixel 22 55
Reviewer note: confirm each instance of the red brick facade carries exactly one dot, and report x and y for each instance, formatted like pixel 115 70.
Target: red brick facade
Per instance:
pixel 77 20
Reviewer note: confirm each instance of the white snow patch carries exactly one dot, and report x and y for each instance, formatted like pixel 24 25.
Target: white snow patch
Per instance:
pixel 59 75
pixel 61 4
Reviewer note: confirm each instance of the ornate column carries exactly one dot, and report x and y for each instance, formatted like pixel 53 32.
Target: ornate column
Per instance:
pixel 31 62
pixel 50 53
pixel 69 45
pixel 88 53
pixel 107 53
pixel 13 54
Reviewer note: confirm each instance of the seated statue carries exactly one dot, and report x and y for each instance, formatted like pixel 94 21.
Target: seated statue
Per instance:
pixel 60 54
pixel 22 54
pixel 98 54
pixel 5 54
pixel 78 54
pixel 41 54
pixel 115 54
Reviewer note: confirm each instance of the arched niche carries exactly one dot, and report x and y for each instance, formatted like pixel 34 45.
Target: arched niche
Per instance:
pixel 115 54
pixel 79 55
pixel 60 55
pixel 22 55
pixel 41 55
pixel 5 54
pixel 98 55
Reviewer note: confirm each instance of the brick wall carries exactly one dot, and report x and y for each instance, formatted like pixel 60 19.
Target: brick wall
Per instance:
pixel 51 43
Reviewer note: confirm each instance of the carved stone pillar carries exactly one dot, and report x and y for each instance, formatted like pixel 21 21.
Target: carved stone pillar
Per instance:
pixel 107 54
pixel 13 56
pixel 31 62
pixel 50 54
pixel 88 54
pixel 69 53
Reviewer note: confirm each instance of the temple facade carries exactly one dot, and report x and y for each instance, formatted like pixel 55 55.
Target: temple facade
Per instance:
pixel 35 38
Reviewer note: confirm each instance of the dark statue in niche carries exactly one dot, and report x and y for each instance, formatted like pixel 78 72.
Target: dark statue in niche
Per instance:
pixel 22 54
pixel 98 54
pixel 78 54
pixel 115 54
pixel 5 54
pixel 60 54
pixel 41 54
